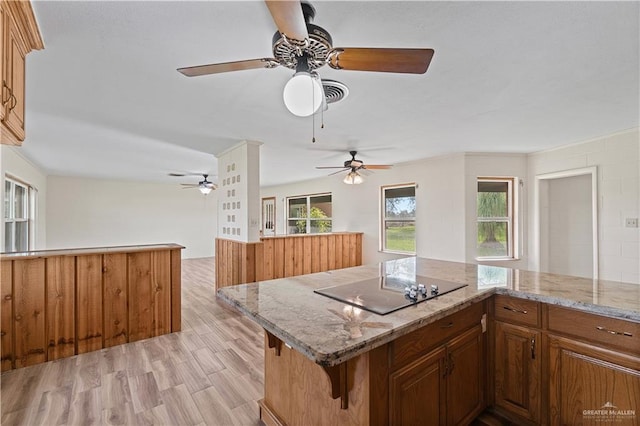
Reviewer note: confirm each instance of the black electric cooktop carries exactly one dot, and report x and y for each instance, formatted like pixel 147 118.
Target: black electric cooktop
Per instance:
pixel 386 294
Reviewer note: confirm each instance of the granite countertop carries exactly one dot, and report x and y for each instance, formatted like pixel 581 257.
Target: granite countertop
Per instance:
pixel 330 332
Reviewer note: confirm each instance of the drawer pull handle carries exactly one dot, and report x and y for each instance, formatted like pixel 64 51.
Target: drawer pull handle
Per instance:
pixel 448 325
pixel 618 333
pixel 514 310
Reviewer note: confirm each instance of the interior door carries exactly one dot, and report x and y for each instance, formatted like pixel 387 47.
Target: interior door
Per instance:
pixel 269 217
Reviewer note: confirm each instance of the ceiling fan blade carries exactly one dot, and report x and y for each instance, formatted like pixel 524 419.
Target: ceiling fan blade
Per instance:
pixel 190 185
pixel 410 61
pixel 330 167
pixel 376 166
pixel 228 66
pixel 287 14
pixel 339 171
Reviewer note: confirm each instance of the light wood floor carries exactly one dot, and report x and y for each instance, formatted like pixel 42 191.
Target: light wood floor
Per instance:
pixel 211 373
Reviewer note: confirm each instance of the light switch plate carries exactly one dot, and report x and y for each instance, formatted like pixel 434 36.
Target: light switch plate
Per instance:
pixel 631 222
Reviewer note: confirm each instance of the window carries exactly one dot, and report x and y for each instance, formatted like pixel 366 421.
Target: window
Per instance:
pixel 495 215
pixel 16 216
pixel 399 218
pixel 309 214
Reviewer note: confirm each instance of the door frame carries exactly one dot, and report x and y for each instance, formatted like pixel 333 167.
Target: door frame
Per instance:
pixel 593 172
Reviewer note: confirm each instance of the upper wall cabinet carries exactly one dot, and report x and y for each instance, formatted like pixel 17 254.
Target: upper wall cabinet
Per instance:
pixel 20 35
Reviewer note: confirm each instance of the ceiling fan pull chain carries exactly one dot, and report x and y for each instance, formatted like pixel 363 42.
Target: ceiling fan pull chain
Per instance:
pixel 313 127
pixel 313 118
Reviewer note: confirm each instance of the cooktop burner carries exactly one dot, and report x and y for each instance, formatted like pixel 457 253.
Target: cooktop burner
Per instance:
pixel 386 294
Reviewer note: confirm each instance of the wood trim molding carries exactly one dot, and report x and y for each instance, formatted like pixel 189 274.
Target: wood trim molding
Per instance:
pixel 274 343
pixel 8 138
pixel 23 13
pixel 339 387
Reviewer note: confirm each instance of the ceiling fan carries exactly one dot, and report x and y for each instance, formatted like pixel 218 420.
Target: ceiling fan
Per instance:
pixel 354 166
pixel 304 47
pixel 205 186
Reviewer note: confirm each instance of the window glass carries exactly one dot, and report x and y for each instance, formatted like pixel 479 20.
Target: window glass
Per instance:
pixel 298 207
pixel 494 211
pixel 7 199
pixel 493 239
pixel 8 236
pixel 399 229
pixel 309 214
pixel 20 202
pixel 16 216
pixel 22 236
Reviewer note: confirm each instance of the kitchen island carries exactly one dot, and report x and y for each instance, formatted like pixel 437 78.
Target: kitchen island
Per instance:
pixel 329 362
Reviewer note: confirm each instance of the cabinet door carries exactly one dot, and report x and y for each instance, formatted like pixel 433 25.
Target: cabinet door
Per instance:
pixel 418 392
pixel 14 55
pixel 465 377
pixel 591 385
pixel 3 59
pixel 517 370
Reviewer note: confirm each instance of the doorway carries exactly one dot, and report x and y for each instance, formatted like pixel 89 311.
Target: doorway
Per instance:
pixel 567 222
pixel 269 217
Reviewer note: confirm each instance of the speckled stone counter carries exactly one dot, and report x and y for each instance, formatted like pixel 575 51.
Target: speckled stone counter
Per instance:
pixel 329 332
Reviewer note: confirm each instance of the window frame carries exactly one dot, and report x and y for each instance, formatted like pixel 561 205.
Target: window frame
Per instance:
pixel 511 219
pixel 308 219
pixel 383 218
pixel 10 214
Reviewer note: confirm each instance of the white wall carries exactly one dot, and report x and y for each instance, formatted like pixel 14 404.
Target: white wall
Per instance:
pixel 13 163
pixel 440 198
pixel 84 212
pixel 569 242
pixel 446 199
pixel 617 158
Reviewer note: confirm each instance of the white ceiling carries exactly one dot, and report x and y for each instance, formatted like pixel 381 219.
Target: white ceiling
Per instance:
pixel 104 98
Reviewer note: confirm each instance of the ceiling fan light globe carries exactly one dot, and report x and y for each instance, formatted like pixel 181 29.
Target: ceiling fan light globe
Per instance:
pixel 205 189
pixel 353 178
pixel 303 94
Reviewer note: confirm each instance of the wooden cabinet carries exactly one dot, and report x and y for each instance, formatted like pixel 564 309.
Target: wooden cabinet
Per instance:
pixel 15 53
pixel 433 376
pixel 418 391
pixel 4 94
pixel 19 35
pixel 517 370
pixel 465 377
pixel 594 368
pixel 442 387
pixel 518 357
pixel 592 385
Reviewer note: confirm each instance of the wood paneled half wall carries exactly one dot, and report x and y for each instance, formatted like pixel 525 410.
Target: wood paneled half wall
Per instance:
pixel 285 256
pixel 59 303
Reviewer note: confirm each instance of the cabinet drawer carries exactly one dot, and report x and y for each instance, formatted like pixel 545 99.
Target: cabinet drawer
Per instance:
pixel 621 334
pixel 513 310
pixel 409 347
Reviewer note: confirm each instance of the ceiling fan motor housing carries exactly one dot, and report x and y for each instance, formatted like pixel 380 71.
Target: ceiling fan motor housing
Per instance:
pixel 320 43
